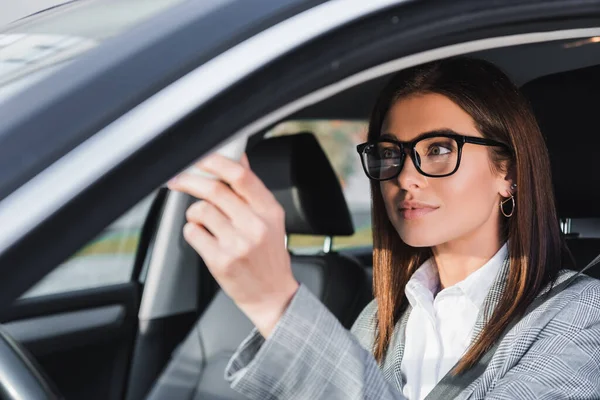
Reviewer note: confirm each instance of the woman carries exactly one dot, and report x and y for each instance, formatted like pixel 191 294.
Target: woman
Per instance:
pixel 466 236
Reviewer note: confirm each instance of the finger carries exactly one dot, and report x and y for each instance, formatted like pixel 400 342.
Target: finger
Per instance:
pixel 244 161
pixel 220 195
pixel 207 215
pixel 241 179
pixel 220 262
pixel 203 243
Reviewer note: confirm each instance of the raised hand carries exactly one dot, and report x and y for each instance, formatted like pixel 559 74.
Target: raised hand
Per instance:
pixel 238 229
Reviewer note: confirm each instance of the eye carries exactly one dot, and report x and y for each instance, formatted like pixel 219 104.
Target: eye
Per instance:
pixel 388 152
pixel 439 150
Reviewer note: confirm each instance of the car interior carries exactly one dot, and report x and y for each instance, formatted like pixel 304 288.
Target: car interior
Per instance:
pixel 174 330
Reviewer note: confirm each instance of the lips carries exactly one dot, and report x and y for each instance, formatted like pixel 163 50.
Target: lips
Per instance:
pixel 411 210
pixel 415 213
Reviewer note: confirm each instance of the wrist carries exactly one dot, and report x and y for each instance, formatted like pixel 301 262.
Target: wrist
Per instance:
pixel 266 315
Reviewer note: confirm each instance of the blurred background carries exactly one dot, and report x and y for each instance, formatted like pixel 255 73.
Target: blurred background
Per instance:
pixel 11 10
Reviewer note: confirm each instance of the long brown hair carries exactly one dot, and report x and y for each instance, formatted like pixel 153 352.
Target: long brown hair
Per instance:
pixel 536 247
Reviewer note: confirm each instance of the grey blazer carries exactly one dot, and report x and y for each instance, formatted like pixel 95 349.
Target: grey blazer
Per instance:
pixel 552 353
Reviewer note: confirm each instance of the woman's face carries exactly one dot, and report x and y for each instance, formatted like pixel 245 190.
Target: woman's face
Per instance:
pixel 434 211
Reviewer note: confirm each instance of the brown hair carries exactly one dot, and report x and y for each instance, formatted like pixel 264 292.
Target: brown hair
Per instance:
pixel 536 248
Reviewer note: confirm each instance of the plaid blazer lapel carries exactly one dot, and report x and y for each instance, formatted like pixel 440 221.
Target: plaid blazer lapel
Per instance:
pixel 393 361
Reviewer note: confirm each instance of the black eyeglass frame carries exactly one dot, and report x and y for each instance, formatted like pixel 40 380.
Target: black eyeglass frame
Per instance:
pixel 410 146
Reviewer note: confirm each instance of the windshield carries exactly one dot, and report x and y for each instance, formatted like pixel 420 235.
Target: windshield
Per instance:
pixel 33 47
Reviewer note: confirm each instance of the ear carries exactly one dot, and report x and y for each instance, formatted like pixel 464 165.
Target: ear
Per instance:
pixel 508 182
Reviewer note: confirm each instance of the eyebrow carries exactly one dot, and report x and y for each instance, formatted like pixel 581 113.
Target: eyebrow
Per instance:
pixel 443 131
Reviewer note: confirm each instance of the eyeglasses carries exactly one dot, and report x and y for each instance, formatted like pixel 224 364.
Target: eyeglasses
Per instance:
pixel 435 155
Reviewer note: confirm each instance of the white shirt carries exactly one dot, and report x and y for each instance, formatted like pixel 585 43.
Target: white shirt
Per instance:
pixel 440 328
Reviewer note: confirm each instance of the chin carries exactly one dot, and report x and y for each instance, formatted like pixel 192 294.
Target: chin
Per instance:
pixel 418 242
pixel 419 237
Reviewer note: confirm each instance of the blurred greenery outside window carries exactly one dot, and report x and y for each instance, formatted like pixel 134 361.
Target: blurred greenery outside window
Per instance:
pixel 106 260
pixel 338 138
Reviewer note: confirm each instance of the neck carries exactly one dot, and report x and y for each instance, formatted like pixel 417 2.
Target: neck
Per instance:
pixel 458 259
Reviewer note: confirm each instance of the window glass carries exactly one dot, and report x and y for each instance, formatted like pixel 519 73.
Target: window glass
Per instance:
pixel 107 260
pixel 585 227
pixel 36 46
pixel 338 138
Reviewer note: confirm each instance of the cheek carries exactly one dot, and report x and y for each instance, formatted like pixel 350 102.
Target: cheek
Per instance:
pixel 466 200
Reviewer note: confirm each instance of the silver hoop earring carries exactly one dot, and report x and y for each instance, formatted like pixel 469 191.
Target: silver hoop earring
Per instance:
pixel 512 210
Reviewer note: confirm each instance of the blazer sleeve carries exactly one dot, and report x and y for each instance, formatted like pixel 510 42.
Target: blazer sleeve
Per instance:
pixel 309 355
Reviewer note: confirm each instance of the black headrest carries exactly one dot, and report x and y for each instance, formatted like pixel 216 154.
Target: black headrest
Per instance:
pixel 297 171
pixel 566 107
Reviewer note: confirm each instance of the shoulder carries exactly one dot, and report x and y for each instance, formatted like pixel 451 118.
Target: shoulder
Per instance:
pixel 364 327
pixel 575 307
pixel 555 349
pixel 582 288
pixel 561 326
pixel 584 292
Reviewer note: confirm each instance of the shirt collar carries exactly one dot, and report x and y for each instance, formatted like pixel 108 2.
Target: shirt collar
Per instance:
pixel 425 281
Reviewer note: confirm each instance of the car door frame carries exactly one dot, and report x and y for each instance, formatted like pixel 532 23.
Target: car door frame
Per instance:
pixel 87 333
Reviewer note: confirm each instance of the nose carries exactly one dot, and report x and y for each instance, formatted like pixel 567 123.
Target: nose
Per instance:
pixel 410 177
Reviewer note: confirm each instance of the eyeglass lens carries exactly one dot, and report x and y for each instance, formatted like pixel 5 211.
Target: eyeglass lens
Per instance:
pixel 435 156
